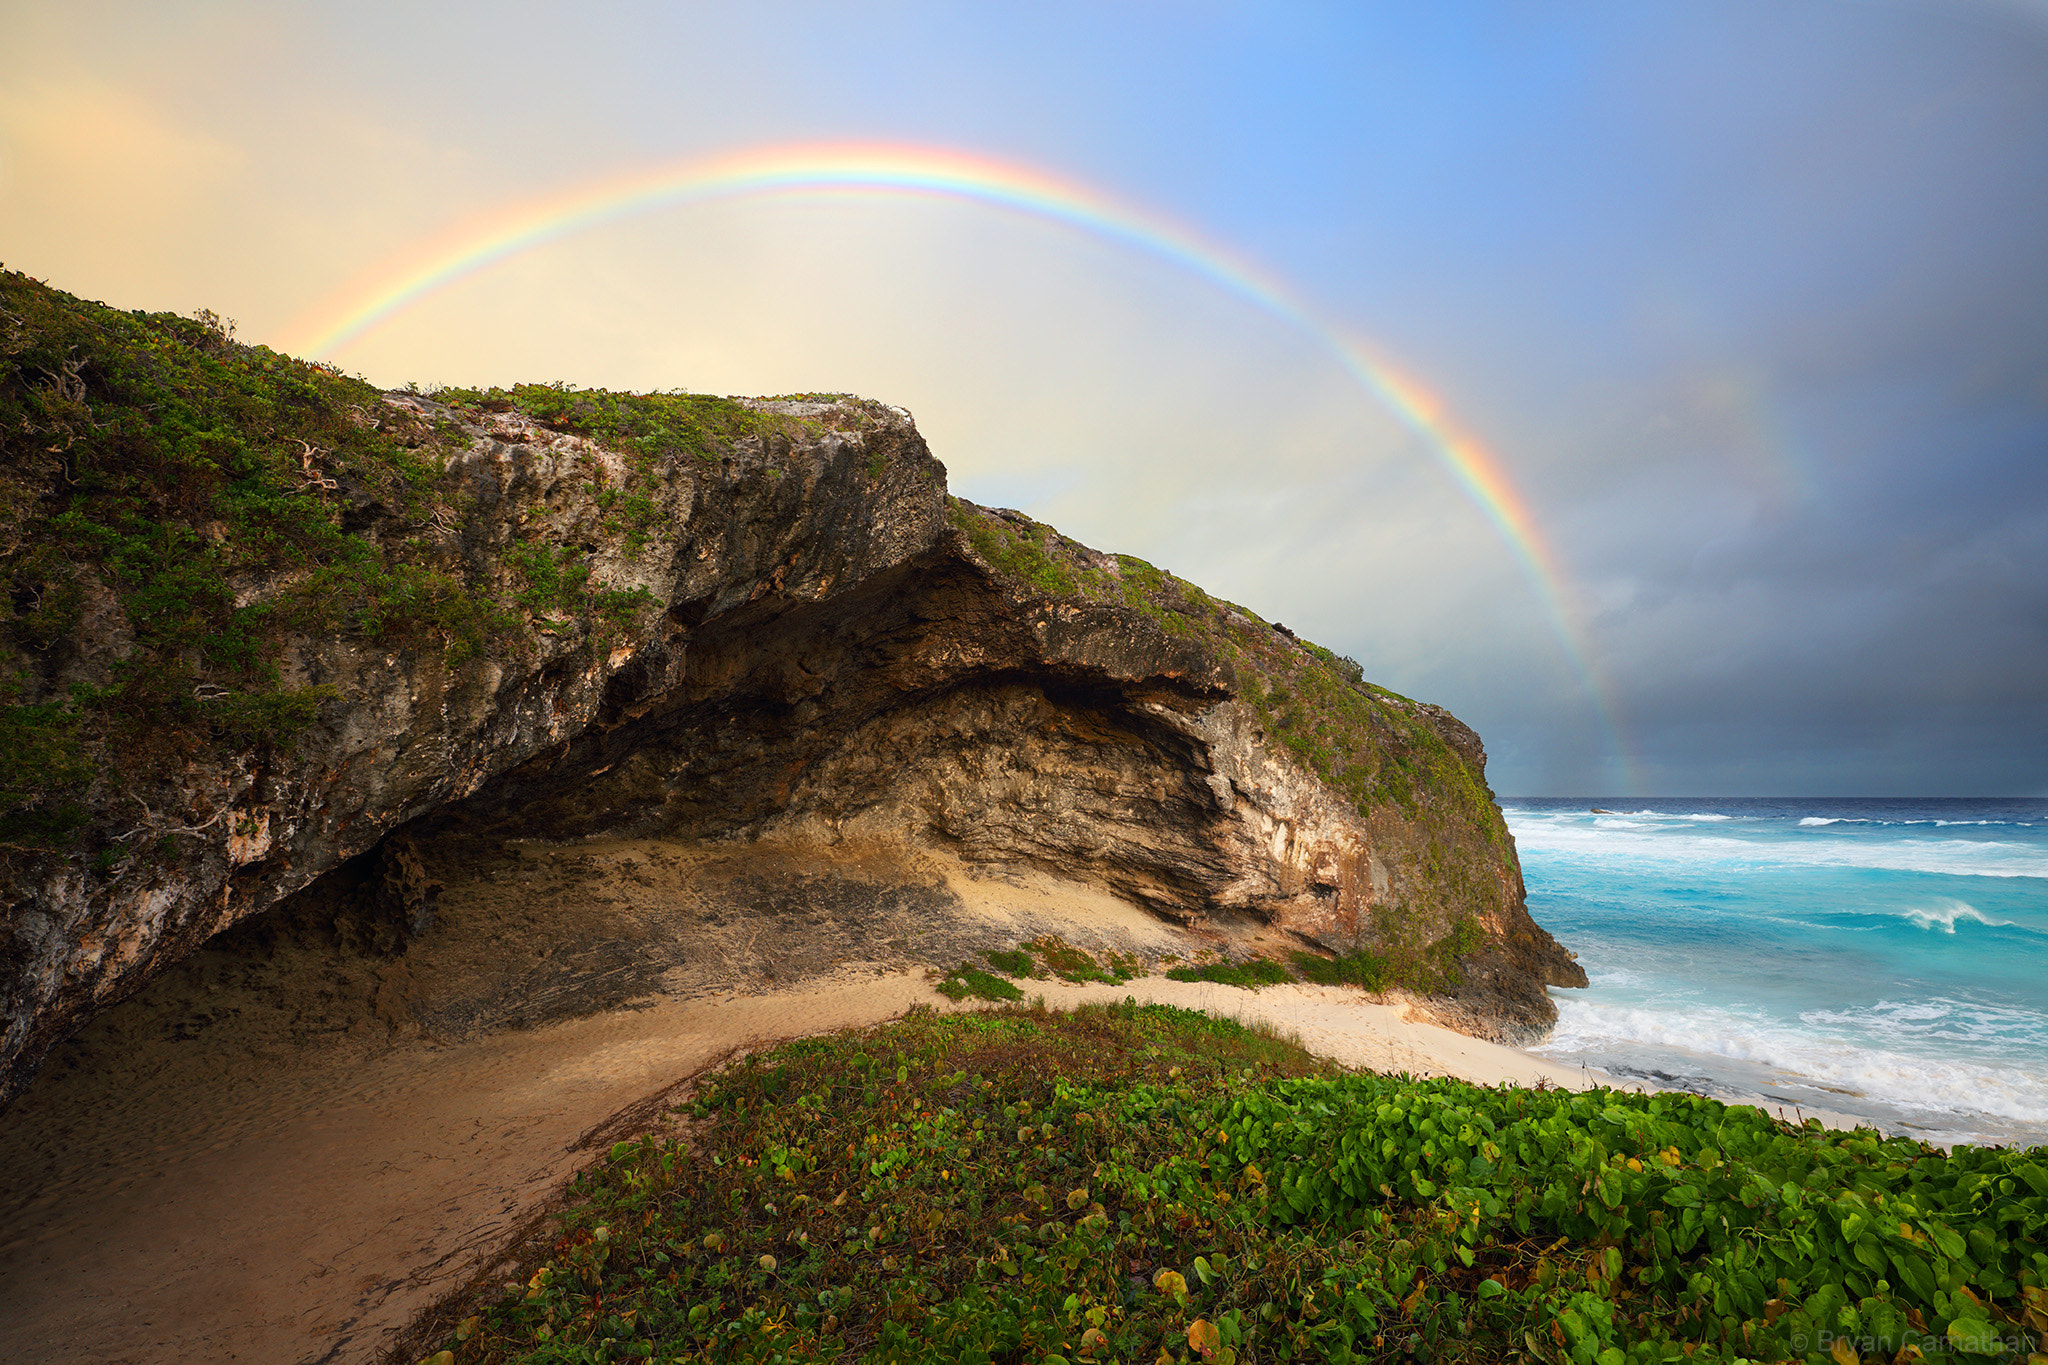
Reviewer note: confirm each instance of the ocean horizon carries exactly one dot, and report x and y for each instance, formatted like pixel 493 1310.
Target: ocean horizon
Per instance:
pixel 1883 958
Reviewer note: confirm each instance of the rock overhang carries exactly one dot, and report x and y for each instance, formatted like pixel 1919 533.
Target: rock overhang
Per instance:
pixel 784 622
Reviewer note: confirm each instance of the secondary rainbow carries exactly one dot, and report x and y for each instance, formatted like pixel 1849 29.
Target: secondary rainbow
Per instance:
pixel 878 168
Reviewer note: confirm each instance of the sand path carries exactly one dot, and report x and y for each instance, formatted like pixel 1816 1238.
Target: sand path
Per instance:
pixel 232 1197
pixel 308 1215
pixel 315 1213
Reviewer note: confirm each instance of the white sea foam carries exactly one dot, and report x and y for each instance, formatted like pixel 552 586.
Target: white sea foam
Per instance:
pixel 1869 820
pixel 1609 837
pixel 1607 976
pixel 1944 914
pixel 1664 815
pixel 1944 1086
pixel 1993 1030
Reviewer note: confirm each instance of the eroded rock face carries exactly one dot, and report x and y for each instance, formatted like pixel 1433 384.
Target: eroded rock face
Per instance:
pixel 832 649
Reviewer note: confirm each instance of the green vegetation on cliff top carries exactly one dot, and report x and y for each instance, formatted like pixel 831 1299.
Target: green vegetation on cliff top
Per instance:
pixel 149 463
pixel 1377 747
pixel 1385 753
pixel 1147 1184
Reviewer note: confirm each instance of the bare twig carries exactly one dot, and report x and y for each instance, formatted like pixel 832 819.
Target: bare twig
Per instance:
pixel 74 383
pixel 314 478
pixel 68 385
pixel 147 825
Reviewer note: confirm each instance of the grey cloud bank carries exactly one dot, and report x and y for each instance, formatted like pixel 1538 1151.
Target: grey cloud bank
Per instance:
pixel 1748 300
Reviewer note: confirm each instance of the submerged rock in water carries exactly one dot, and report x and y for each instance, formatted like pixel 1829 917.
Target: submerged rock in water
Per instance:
pixel 779 627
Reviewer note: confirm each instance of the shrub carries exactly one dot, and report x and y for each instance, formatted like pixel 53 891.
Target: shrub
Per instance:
pixel 1123 1182
pixel 1251 975
pixel 1364 969
pixel 965 980
pixel 1069 963
pixel 1011 962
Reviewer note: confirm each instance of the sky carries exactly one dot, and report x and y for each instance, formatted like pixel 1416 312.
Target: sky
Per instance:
pixel 1661 387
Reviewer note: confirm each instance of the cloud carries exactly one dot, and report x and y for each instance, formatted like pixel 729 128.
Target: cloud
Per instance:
pixel 1748 299
pixel 87 164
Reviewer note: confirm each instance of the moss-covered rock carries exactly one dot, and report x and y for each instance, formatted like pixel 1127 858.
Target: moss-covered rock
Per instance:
pixel 1414 865
pixel 259 616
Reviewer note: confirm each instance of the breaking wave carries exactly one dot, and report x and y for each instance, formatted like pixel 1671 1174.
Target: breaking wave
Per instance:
pixel 1634 838
pixel 1847 1066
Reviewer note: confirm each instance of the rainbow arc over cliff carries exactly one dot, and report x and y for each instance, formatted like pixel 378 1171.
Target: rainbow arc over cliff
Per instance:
pixel 900 170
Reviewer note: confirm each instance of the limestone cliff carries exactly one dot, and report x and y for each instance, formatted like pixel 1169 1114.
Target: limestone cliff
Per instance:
pixel 263 619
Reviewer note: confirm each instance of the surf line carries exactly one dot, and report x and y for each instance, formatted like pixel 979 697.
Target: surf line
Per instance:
pixel 905 170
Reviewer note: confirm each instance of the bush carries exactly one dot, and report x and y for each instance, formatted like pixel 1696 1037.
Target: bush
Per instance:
pixel 1363 969
pixel 1011 962
pixel 1251 975
pixel 1069 963
pixel 1120 1182
pixel 964 981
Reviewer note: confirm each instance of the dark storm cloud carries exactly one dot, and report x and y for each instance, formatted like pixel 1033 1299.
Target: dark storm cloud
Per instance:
pixel 1795 423
pixel 1749 297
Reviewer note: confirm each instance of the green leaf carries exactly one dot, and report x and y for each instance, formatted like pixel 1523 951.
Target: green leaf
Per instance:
pixel 1917 1275
pixel 1975 1336
pixel 1491 1289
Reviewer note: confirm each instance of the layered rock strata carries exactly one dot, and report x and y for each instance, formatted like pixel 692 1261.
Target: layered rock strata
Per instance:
pixel 795 632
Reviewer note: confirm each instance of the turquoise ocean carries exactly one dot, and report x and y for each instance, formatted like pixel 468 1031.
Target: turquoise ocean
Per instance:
pixel 1881 959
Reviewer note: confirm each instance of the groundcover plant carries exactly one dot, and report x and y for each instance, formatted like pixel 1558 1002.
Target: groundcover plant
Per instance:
pixel 1144 1183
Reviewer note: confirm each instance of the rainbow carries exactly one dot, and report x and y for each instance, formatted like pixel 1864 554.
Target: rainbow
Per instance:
pixel 880 168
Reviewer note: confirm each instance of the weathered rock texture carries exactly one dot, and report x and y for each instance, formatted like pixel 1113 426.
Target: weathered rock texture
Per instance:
pixel 826 646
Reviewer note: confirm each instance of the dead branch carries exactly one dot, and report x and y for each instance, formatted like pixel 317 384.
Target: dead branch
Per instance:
pixel 314 478
pixel 68 385
pixel 147 826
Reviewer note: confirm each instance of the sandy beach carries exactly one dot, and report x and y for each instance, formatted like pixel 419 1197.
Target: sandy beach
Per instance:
pixel 330 1206
pixel 224 1196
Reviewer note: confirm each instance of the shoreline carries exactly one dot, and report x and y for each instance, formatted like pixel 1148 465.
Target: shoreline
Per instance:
pixel 342 1199
pixel 1867 955
pixel 281 1153
pixel 1760 1086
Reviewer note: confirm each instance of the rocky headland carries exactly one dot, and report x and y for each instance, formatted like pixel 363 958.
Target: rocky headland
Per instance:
pixel 281 645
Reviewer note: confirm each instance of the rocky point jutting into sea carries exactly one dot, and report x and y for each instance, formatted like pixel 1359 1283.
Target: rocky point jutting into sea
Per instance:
pixel 275 637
